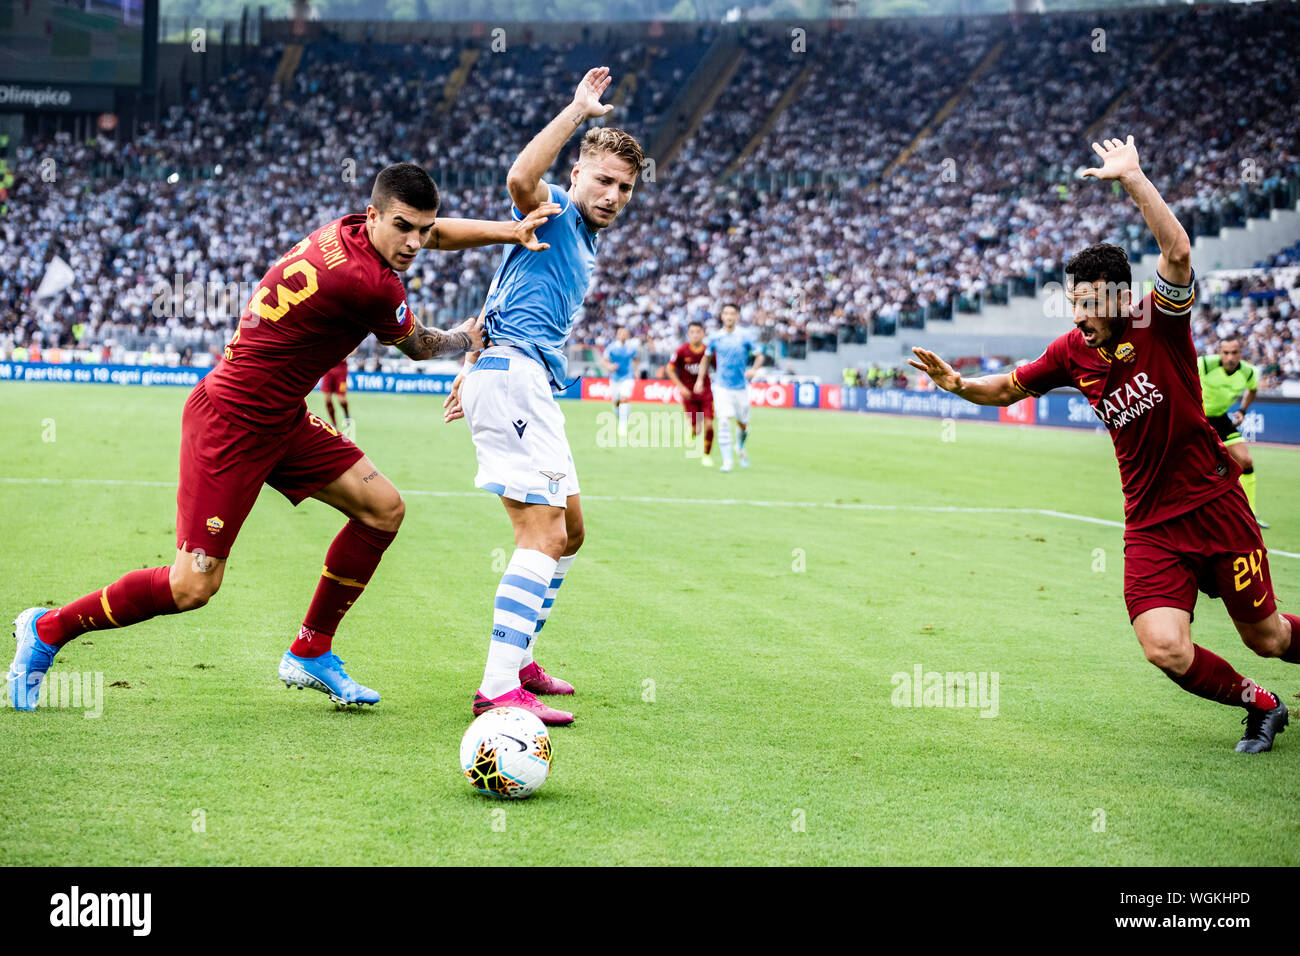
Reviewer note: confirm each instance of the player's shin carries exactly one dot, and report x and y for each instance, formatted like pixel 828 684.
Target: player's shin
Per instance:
pixel 132 598
pixel 1213 678
pixel 349 565
pixel 561 569
pixel 724 442
pixel 519 600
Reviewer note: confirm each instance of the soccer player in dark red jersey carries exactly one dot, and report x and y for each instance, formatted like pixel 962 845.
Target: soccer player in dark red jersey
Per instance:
pixel 1187 524
pixel 334 384
pixel 696 403
pixel 246 424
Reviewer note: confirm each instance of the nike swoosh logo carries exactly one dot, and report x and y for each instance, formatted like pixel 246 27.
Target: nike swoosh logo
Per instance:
pixel 515 740
pixel 1091 382
pixel 1261 600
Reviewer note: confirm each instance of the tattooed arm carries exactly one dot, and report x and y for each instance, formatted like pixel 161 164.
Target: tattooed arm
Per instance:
pixel 424 343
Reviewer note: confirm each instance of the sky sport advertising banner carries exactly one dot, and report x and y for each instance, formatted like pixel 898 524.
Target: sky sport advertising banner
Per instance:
pixel 664 392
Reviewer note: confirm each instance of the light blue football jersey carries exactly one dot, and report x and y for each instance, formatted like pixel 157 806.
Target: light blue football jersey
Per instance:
pixel 623 357
pixel 534 298
pixel 733 352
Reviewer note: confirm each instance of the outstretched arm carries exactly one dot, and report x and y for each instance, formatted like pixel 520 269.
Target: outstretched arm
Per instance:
pixel 424 343
pixel 452 234
pixel 986 390
pixel 525 178
pixel 1119 160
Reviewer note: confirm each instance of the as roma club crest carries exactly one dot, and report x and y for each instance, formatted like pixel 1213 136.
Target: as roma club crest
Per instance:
pixel 215 525
pixel 1125 352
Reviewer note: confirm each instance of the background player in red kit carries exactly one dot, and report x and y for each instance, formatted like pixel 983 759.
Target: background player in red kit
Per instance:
pixel 1187 524
pixel 334 384
pixel 246 423
pixel 696 403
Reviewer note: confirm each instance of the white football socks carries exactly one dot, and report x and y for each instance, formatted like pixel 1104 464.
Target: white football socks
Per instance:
pixel 514 618
pixel 561 569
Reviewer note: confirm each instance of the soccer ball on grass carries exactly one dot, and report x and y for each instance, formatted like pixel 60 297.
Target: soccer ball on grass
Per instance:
pixel 506 752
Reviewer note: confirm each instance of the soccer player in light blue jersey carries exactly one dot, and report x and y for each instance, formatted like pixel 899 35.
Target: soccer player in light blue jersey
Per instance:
pixel 737 359
pixel 620 362
pixel 505 393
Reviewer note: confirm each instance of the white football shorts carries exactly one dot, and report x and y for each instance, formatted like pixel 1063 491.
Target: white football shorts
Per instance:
pixel 517 429
pixel 621 391
pixel 731 403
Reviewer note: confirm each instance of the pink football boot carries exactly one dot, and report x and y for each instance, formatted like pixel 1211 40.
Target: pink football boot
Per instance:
pixel 524 700
pixel 536 680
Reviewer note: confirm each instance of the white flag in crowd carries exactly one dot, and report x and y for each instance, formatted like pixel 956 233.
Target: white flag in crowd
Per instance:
pixel 58 276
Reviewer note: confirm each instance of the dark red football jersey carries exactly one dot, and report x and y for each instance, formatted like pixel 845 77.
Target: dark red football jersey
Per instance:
pixel 311 309
pixel 687 363
pixel 1147 393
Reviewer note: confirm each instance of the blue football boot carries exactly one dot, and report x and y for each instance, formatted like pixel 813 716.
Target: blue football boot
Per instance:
pixel 325 674
pixel 31 660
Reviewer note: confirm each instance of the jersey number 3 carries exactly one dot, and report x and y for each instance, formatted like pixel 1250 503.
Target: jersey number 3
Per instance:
pixel 285 297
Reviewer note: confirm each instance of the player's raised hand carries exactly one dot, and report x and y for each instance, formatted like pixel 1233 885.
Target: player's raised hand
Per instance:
pixel 526 228
pixel 1118 158
pixel 939 371
pixel 590 90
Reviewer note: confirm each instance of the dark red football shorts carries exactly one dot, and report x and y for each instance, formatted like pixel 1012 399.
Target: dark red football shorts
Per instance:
pixel 700 405
pixel 1215 548
pixel 335 382
pixel 224 465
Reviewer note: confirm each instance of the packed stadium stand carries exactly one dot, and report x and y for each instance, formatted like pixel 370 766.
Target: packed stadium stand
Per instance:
pixel 852 186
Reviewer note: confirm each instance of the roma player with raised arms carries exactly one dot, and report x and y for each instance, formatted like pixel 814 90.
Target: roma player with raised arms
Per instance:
pixel 246 423
pixel 1187 523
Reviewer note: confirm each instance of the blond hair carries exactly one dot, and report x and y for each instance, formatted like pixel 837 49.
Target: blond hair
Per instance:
pixel 608 139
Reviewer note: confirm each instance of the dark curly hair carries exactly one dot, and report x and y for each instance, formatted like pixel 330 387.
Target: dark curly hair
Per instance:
pixel 1100 262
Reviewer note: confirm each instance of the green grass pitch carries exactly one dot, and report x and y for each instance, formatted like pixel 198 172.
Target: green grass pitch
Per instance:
pixel 735 662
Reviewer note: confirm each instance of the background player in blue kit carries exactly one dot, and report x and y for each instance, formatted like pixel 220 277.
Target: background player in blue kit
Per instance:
pixel 733 349
pixel 505 393
pixel 620 362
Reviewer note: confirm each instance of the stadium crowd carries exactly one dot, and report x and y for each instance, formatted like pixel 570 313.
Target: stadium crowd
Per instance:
pixel 819 233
